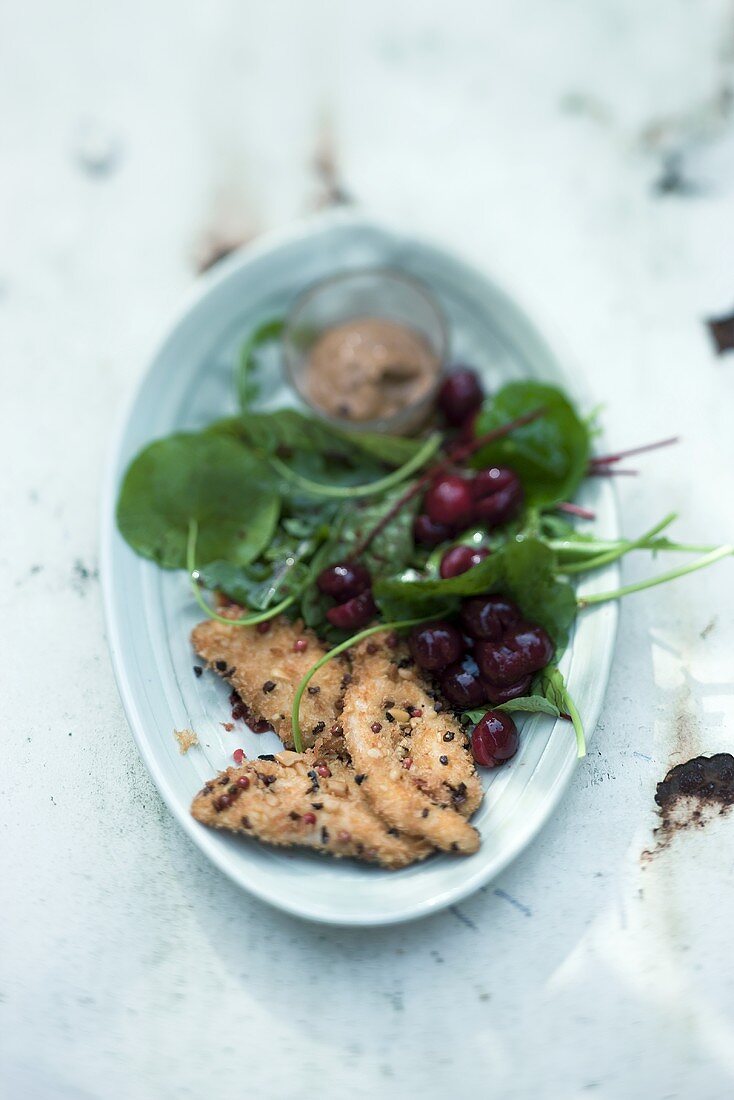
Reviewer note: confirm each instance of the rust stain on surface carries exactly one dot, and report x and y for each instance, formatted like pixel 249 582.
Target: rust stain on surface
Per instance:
pixel 685 724
pixel 332 190
pixel 230 224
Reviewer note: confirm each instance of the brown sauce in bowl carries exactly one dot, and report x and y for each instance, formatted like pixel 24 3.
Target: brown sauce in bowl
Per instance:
pixel 369 368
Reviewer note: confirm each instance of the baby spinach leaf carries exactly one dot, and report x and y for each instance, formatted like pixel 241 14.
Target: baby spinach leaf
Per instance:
pixel 204 477
pixel 550 454
pixel 527 704
pixel 523 569
pixel 531 704
pixel 294 430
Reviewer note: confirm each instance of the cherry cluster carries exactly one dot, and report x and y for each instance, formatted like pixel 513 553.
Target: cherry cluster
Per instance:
pixel 455 501
pixel 490 660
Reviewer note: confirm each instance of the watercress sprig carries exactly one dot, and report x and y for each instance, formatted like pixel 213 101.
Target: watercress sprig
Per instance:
pixel 608 556
pixel 370 488
pixel 662 578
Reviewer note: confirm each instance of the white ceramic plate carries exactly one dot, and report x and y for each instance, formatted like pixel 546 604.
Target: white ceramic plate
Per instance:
pixel 150 612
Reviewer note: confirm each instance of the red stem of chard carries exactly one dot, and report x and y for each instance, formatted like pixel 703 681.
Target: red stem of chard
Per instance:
pixel 607 460
pixel 575 510
pixel 454 454
pixel 606 471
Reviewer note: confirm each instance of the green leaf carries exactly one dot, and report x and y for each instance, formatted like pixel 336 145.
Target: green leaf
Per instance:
pixel 393 548
pixel 528 704
pixel 551 684
pixel 235 581
pixel 293 430
pixel 531 704
pixel 204 477
pixel 523 569
pixel 248 386
pixel 550 455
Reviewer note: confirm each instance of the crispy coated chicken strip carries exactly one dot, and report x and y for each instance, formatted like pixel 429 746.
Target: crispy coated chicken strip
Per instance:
pixel 266 668
pixel 413 762
pixel 305 800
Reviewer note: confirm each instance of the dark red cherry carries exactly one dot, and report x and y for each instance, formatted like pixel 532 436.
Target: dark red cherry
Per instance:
pixel 343 580
pixel 497 695
pixel 449 501
pixel 460 395
pixel 525 648
pixel 428 533
pixel 459 559
pixel 494 739
pixel 462 687
pixel 501 507
pixel 498 495
pixel 533 641
pixel 487 482
pixel 499 664
pixel 436 645
pixel 468 431
pixel 488 617
pixel 354 613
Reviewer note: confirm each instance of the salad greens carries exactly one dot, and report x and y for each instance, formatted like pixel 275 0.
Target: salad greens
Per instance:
pixel 550 455
pixel 523 568
pixel 256 505
pixel 212 479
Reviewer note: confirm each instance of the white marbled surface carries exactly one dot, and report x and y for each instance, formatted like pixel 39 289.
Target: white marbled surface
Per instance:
pixel 582 152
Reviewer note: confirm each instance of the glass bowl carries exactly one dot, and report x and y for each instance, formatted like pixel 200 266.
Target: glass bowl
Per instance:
pixel 374 293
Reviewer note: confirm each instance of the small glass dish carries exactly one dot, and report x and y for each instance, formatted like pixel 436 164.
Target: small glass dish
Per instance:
pixel 380 294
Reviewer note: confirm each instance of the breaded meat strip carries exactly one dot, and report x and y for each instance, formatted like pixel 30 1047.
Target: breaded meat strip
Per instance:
pixel 266 666
pixel 308 801
pixel 414 763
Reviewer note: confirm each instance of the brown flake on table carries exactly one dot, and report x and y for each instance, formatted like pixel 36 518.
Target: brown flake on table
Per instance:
pixel 186 740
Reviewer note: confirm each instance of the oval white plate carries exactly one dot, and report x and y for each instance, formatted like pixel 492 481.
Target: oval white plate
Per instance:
pixel 150 613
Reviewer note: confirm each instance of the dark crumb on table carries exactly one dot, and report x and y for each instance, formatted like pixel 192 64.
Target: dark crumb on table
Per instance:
pixel 722 333
pixel 692 794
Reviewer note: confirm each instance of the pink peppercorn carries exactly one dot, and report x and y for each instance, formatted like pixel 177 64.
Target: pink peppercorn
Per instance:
pixel 408 762
pixel 243 782
pixel 263 628
pixel 323 771
pixel 309 818
pixel 300 645
pixel 238 756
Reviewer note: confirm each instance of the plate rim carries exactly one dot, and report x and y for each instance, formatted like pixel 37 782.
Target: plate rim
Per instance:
pixel 202 838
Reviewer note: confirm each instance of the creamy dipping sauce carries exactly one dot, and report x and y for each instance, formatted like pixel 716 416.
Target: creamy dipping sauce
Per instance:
pixel 369 369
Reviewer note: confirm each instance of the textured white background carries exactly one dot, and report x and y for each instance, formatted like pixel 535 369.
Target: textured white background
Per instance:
pixel 534 137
